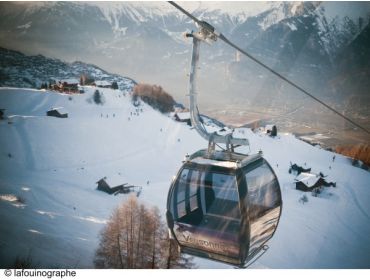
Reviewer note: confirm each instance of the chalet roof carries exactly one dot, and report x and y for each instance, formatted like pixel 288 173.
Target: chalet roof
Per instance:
pixel 103 83
pixel 114 180
pixel 61 110
pixel 269 126
pixel 308 179
pixel 183 115
pixel 70 81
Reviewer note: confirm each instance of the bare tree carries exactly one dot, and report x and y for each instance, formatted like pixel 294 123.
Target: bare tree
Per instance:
pixel 155 96
pixel 136 237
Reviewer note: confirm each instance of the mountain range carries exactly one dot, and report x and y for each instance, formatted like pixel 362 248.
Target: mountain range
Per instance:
pixel 322 46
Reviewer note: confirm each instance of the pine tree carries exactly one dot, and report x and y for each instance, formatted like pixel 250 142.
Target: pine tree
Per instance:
pixel 98 97
pixel 114 85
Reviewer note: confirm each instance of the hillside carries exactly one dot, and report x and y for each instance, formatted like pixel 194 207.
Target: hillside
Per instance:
pixel 19 70
pixel 50 208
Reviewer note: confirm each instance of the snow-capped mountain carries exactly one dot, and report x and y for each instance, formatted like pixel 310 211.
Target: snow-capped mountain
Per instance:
pixel 301 39
pixel 108 21
pixel 305 41
pixel 331 17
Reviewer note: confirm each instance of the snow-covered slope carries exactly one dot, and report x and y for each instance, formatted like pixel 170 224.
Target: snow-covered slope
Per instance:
pixel 51 211
pixel 18 70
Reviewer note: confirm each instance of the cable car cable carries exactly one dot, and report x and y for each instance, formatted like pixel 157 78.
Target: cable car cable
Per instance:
pixel 227 41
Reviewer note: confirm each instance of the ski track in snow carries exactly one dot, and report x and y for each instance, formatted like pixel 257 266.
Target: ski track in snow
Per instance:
pixel 357 203
pixel 56 163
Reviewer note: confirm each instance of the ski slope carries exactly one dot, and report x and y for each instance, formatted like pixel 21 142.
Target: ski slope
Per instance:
pixel 50 208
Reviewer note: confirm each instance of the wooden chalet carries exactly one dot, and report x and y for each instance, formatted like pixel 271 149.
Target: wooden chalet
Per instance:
pixel 2 114
pixel 102 84
pixel 308 182
pixel 114 185
pixel 271 129
pixel 183 117
pixel 67 86
pixel 58 112
pixel 295 168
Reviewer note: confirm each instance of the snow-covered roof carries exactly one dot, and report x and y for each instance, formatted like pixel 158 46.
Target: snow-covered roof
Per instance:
pixel 183 115
pixel 71 81
pixel 224 131
pixel 114 180
pixel 227 164
pixel 269 126
pixel 103 83
pixel 61 110
pixel 308 179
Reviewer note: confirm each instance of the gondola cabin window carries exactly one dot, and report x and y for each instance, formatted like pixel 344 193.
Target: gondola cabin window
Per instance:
pixel 262 192
pixel 264 202
pixel 207 199
pixel 221 195
pixel 187 194
pixel 181 190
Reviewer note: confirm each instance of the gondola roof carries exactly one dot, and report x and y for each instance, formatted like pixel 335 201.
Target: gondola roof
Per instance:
pixel 223 158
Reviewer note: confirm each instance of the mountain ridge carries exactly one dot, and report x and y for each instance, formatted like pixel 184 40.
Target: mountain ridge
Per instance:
pixel 15 71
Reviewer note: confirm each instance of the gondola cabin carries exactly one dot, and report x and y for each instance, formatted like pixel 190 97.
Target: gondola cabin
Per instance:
pixel 224 206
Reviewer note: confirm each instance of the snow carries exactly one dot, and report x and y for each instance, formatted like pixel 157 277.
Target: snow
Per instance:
pixel 291 26
pixel 102 83
pixel 139 12
pixel 307 178
pixel 50 207
pixel 228 164
pixel 70 81
pixel 25 26
pixel 7 197
pixel 276 14
pixel 183 115
pixel 314 137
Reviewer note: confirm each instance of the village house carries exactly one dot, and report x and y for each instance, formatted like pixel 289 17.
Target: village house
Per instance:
pixel 102 84
pixel 2 114
pixel 65 86
pixel 308 182
pixel 58 112
pixel 183 117
pixel 69 85
pixel 271 130
pixel 114 185
pixel 295 168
